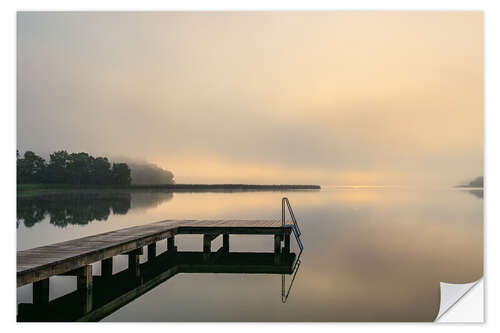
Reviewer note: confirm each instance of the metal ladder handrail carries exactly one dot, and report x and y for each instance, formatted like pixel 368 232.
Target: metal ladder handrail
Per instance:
pixel 284 292
pixel 295 226
pixel 296 233
pixel 290 211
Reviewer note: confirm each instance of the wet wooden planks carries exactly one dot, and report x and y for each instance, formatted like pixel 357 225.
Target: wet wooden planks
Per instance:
pixel 45 261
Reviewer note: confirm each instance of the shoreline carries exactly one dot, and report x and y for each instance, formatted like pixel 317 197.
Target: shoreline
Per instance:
pixel 38 188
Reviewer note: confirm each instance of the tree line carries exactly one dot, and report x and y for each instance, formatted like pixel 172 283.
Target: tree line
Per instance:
pixel 74 168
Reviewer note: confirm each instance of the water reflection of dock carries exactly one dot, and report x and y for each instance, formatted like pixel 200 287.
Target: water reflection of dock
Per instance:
pixel 110 292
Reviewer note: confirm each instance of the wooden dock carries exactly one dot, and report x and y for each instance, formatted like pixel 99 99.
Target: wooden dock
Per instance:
pixel 75 257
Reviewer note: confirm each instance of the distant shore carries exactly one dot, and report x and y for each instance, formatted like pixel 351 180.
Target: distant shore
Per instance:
pixel 238 187
pixel 170 187
pixel 477 182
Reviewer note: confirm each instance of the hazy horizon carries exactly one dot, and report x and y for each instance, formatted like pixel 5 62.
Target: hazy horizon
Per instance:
pixel 330 98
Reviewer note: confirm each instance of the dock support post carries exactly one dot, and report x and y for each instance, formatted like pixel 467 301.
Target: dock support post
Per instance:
pixel 84 286
pixel 107 267
pixel 133 262
pixel 151 251
pixel 286 247
pixel 41 292
pixel 225 242
pixel 87 300
pixel 207 241
pixel 84 277
pixel 207 245
pixel 277 248
pixel 171 244
pixel 277 244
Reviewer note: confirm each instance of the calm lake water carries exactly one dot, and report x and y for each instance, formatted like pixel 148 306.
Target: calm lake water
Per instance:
pixel 370 254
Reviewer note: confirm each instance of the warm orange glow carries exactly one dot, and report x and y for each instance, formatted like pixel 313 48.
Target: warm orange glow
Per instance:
pixel 341 98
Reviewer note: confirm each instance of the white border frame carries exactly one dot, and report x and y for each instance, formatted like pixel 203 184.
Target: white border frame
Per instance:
pixel 492 134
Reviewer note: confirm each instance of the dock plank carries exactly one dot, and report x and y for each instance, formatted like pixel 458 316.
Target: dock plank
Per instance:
pixel 45 261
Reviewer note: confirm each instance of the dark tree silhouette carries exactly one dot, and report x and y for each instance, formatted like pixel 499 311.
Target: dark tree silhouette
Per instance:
pixel 80 168
pixel 76 168
pixel 57 169
pixel 121 174
pixel 102 171
pixel 31 168
pixel 477 182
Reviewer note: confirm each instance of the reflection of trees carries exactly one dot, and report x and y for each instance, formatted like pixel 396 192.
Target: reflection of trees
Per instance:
pixel 121 207
pixel 29 212
pixel 71 207
pixel 149 199
pixel 82 207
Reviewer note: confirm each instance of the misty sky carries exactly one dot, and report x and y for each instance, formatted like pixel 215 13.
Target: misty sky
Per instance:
pixel 339 98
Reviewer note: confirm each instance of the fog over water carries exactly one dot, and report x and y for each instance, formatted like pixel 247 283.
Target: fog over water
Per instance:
pixel 341 98
pixel 369 254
